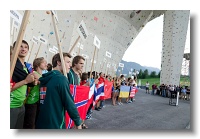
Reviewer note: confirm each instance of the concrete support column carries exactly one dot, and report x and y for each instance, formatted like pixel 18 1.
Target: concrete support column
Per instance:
pixel 174 37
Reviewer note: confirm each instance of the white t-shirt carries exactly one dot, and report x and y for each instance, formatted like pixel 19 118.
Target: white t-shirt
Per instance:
pixel 147 84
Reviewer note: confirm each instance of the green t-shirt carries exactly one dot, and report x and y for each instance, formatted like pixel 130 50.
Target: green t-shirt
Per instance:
pixel 33 96
pixel 18 96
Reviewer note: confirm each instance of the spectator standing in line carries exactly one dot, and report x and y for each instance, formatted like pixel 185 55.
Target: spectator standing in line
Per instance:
pixel 147 87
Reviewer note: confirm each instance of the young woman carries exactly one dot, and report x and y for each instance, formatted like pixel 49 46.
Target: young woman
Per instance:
pixel 32 101
pixel 116 85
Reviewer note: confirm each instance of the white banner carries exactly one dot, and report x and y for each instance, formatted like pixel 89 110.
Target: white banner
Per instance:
pixel 108 54
pixel 16 16
pixel 55 48
pixel 82 31
pixel 108 65
pixel 52 50
pixel 80 45
pixel 35 40
pixel 42 40
pixel 97 42
pixel 121 65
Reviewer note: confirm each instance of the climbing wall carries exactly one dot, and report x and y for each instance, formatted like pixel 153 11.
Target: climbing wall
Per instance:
pixel 115 29
pixel 174 37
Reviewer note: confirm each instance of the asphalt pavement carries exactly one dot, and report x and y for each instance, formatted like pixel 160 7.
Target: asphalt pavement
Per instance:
pixel 146 112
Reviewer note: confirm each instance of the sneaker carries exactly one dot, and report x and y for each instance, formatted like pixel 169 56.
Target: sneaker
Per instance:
pixel 97 109
pixel 129 101
pixel 121 103
pixel 118 103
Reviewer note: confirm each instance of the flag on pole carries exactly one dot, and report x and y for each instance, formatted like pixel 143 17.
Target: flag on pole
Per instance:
pixel 124 91
pixel 98 92
pixel 100 89
pixel 80 95
pixel 91 96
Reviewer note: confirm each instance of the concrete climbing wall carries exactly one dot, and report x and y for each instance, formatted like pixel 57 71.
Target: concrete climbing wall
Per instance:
pixel 115 29
pixel 174 37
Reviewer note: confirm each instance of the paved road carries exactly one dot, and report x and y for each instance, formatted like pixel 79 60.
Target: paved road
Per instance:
pixel 147 112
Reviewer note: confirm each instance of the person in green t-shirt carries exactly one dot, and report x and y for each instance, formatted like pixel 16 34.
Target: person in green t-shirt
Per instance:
pixel 18 92
pixel 55 97
pixel 32 101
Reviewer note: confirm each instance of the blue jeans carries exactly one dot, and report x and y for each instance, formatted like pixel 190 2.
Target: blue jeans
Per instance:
pixel 152 92
pixel 163 93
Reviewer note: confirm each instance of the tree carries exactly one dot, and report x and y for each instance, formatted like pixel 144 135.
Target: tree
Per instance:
pixel 153 74
pixel 140 74
pixel 158 74
pixel 145 74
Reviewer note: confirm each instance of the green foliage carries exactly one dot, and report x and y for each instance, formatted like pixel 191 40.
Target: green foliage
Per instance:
pixel 183 81
pixel 153 74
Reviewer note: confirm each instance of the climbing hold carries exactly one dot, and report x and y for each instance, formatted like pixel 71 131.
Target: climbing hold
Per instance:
pixel 48 12
pixel 42 34
pixel 51 32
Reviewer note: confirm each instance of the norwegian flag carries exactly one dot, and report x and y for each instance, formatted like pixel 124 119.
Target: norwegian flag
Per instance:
pixel 80 95
pixel 91 96
pixel 42 94
pixel 98 93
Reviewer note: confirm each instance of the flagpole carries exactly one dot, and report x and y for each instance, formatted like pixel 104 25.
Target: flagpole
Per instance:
pixel 30 51
pixel 74 44
pixel 59 44
pixel 92 62
pixel 19 41
pixel 38 50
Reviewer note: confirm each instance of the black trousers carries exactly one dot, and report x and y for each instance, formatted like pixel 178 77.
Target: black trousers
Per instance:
pixel 31 113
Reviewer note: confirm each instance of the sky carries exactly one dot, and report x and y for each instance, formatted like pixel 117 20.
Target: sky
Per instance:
pixel 147 47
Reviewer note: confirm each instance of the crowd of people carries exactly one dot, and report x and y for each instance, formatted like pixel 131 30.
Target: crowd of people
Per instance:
pixel 40 93
pixel 165 90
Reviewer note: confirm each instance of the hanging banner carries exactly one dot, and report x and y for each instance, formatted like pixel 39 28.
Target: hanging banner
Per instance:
pixel 108 54
pixel 82 31
pixel 97 42
pixel 16 16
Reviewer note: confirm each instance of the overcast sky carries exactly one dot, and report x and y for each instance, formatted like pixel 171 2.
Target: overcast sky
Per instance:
pixel 147 46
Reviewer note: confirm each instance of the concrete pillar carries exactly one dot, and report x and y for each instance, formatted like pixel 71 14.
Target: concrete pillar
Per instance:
pixel 174 37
